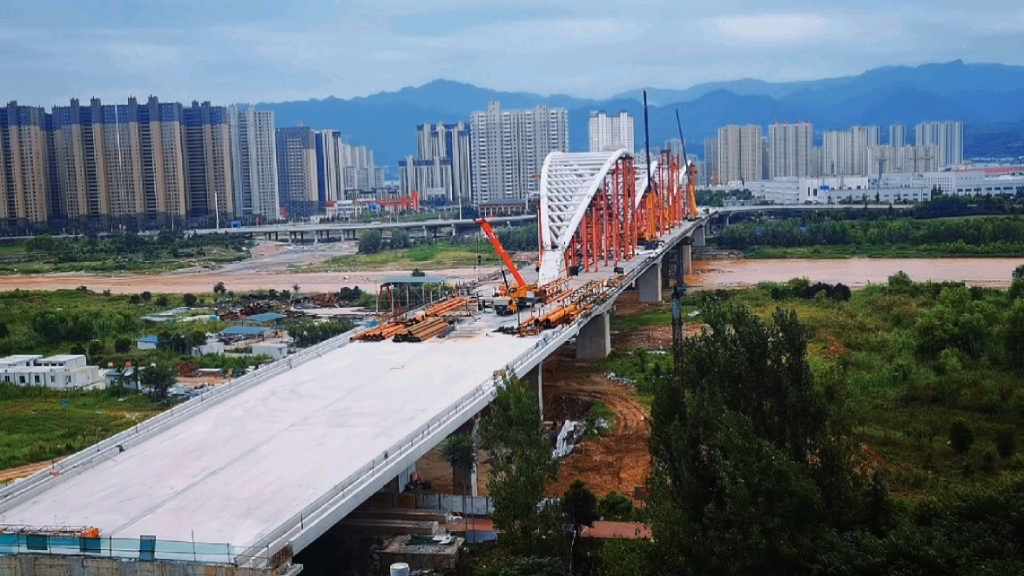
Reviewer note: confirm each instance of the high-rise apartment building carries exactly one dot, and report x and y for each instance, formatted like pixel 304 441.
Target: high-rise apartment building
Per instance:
pixel 948 136
pixel 711 174
pixel 208 173
pixel 359 174
pixel 790 149
pixel 296 170
pixel 609 133
pixel 329 172
pixel 441 169
pixel 254 162
pixel 740 154
pixel 863 138
pixel 508 148
pixel 25 178
pixel 897 135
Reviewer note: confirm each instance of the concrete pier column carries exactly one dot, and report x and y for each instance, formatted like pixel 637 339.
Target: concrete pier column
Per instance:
pixel 699 235
pixel 649 284
pixel 687 251
pixel 595 337
pixel 535 380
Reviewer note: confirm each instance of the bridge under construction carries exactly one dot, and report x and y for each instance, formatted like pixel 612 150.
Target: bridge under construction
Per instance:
pixel 241 478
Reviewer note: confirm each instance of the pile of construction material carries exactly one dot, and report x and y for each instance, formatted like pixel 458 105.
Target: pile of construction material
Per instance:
pixel 429 323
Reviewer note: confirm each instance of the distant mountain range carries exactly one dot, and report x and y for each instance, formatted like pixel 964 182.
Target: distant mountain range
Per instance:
pixel 988 98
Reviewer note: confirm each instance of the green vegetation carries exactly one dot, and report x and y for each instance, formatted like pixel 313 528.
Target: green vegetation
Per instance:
pixel 717 198
pixel 121 252
pixel 37 424
pixel 826 235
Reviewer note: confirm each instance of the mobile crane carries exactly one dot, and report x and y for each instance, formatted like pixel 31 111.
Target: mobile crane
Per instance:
pixel 523 294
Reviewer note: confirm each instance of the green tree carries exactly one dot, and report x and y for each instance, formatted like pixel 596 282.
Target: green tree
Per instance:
pixel 4 330
pixel 521 465
pixel 749 452
pixel 615 506
pixel 961 436
pixel 1018 272
pixel 146 296
pixel 370 242
pixel 622 557
pixel 158 379
pixel 161 300
pixel 122 345
pixel 1006 442
pixel 1013 335
pixel 189 299
pixel 459 451
pixel 399 239
pixel 579 505
pixel 219 288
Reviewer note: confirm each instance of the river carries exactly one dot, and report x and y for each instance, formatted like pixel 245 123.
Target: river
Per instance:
pixel 854 272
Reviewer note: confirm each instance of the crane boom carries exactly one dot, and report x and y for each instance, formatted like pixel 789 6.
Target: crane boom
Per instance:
pixel 489 232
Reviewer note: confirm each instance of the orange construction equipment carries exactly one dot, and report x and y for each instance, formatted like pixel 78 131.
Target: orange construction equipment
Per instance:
pixel 522 288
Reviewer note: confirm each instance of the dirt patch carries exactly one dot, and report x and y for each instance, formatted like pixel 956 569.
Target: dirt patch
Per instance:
pixel 618 461
pixel 432 468
pixel 22 471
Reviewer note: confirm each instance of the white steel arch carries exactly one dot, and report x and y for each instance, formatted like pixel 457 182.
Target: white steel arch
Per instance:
pixel 568 183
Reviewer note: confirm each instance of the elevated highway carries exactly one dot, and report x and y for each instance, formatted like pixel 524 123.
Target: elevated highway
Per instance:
pixel 253 472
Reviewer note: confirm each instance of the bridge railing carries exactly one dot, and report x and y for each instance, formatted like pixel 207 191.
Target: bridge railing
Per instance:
pixel 122 548
pixel 106 449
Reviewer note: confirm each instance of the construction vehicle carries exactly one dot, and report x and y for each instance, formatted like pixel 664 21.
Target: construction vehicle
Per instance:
pixel 511 298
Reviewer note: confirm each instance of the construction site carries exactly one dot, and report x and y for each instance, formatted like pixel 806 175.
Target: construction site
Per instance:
pixel 607 230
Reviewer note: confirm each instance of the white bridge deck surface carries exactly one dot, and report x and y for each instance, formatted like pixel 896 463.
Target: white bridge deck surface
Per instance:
pixel 246 465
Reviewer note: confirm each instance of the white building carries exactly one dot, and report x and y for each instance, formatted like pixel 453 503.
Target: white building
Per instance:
pixel 948 136
pixel 276 350
pixel 740 154
pixel 254 162
pixel 790 150
pixel 897 135
pixel 608 133
pixel 508 148
pixel 62 371
pixel 442 166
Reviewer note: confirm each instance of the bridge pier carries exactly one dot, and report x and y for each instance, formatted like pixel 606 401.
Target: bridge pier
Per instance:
pixel 535 380
pixel 649 285
pixel 595 337
pixel 687 252
pixel 699 236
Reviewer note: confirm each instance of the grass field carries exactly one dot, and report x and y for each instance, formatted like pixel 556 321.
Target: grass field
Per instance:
pixel 426 257
pixel 37 424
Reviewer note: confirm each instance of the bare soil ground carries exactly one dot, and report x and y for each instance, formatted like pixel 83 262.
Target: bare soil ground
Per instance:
pixel 22 471
pixel 618 461
pixel 434 469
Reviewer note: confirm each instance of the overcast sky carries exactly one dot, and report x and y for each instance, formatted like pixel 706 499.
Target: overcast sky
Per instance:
pixel 263 50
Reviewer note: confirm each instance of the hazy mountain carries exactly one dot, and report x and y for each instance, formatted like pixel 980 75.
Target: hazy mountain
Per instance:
pixel 977 94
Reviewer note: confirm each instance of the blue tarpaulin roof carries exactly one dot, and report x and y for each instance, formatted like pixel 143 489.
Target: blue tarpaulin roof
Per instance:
pixel 265 317
pixel 244 330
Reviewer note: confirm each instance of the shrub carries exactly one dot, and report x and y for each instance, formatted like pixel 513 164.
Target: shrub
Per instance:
pixel 615 506
pixel 961 436
pixel 1006 442
pixel 189 299
pixel 370 242
pixel 122 345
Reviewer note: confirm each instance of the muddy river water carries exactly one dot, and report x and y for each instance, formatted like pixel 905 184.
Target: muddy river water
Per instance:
pixel 707 274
